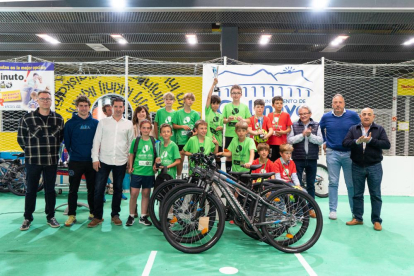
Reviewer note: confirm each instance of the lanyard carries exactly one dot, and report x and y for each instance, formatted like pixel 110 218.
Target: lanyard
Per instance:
pixel 259 121
pixel 281 161
pixel 265 164
pixel 274 116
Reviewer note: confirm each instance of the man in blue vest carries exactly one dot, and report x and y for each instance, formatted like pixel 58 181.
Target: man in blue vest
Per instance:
pixel 306 137
pixel 335 126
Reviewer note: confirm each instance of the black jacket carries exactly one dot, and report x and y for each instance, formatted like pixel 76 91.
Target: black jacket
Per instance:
pixel 373 149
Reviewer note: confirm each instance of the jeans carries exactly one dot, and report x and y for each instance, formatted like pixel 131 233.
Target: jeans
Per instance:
pixel 310 167
pixel 33 173
pixel 335 160
pixel 76 170
pixel 373 175
pixel 118 173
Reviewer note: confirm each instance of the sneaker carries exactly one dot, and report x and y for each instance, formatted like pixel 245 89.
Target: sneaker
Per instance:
pixel 25 225
pixel 70 221
pixel 53 223
pixel 95 222
pixel 124 197
pixel 312 213
pixel 231 222
pixel 91 216
pixel 144 220
pixel 116 220
pixel 130 221
pixel 332 215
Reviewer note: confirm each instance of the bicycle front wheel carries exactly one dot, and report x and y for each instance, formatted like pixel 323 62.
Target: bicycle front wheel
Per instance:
pixel 196 222
pixel 322 181
pixel 17 185
pixel 290 229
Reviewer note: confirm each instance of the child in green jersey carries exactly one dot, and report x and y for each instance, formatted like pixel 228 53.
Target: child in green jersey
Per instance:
pixel 169 152
pixel 234 112
pixel 164 116
pixel 241 149
pixel 142 171
pixel 214 119
pixel 200 142
pixel 183 122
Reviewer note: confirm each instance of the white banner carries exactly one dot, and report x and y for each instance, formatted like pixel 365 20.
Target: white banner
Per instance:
pixel 297 84
pixel 20 82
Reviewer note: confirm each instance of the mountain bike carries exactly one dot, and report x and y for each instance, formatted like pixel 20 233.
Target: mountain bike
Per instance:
pixel 199 215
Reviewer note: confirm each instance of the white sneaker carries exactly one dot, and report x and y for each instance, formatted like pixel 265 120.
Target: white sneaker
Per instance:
pixel 332 215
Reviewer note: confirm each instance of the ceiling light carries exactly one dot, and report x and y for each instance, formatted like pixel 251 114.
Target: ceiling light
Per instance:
pixel 118 4
pixel 409 42
pixel 265 39
pixel 320 4
pixel 119 38
pixel 191 39
pixel 48 38
pixel 98 47
pixel 338 40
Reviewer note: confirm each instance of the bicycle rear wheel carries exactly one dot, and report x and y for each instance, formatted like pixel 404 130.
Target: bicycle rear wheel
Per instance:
pixel 157 198
pixel 291 229
pixel 17 184
pixel 198 220
pixel 322 181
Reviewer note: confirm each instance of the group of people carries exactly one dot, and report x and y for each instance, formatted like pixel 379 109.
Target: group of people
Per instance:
pixel 115 144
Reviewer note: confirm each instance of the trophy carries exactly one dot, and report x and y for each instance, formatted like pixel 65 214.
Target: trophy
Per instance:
pixel 215 72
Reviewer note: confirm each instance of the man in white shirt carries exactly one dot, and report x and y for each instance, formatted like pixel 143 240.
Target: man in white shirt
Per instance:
pixel 110 152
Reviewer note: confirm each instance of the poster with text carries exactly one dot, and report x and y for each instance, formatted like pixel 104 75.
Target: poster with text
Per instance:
pixel 20 84
pixel 297 84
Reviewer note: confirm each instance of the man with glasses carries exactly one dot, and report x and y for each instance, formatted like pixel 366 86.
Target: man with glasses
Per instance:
pixel 40 134
pixel 306 137
pixel 335 126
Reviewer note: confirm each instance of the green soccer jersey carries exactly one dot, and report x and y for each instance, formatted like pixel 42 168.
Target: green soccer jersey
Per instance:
pixel 231 110
pixel 164 117
pixel 168 155
pixel 144 159
pixel 183 118
pixel 195 146
pixel 240 153
pixel 214 120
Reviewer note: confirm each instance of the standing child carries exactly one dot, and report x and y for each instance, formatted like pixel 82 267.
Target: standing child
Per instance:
pixel 260 125
pixel 285 168
pixel 200 142
pixel 281 127
pixel 169 152
pixel 165 116
pixel 241 149
pixel 214 119
pixel 184 121
pixel 234 112
pixel 141 167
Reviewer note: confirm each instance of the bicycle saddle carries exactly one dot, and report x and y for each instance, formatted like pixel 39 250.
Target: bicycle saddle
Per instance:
pixel 255 176
pixel 19 155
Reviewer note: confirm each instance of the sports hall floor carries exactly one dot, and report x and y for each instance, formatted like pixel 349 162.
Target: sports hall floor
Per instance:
pixel 121 250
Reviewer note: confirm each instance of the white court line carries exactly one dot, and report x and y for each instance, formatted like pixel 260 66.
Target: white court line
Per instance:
pixel 149 264
pixel 305 264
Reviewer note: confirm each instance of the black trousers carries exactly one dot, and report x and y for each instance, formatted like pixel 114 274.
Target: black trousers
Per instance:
pixel 76 170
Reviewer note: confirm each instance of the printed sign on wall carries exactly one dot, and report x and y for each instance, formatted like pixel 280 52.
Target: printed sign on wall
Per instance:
pixel 297 84
pixel 20 83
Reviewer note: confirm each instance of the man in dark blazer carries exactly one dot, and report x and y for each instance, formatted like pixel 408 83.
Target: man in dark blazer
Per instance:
pixel 367 140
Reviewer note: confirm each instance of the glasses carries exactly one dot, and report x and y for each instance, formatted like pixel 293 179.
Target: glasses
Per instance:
pixel 45 99
pixel 234 93
pixel 303 114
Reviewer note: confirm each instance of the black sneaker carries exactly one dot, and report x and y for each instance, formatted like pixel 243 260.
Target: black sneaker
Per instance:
pixel 130 221
pixel 145 221
pixel 26 225
pixel 53 223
